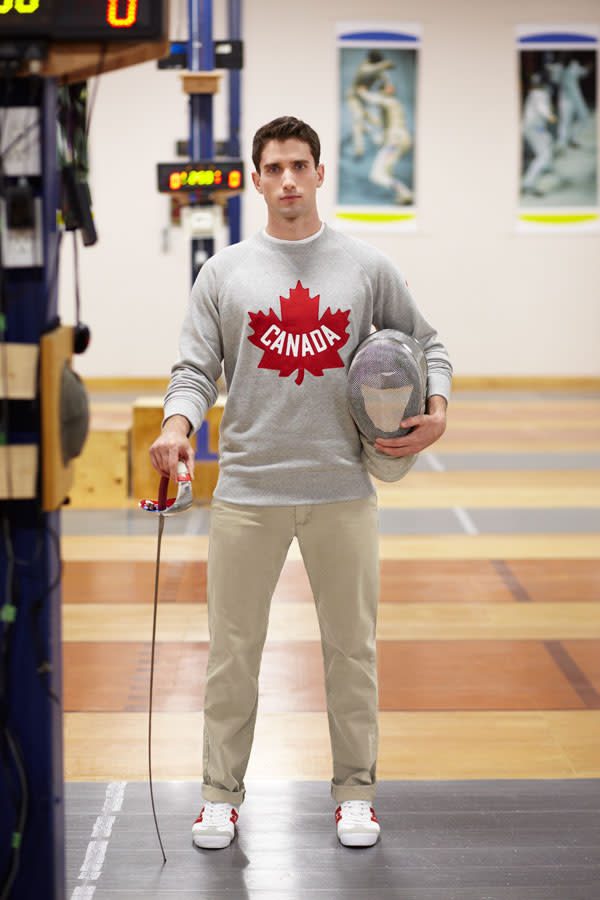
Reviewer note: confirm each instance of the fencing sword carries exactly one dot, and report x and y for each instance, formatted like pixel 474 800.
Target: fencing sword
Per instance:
pixel 163 507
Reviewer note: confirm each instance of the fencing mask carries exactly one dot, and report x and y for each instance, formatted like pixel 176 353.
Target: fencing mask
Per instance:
pixel 387 382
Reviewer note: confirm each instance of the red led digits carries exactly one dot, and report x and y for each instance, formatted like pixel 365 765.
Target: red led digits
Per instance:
pixel 235 179
pixel 112 13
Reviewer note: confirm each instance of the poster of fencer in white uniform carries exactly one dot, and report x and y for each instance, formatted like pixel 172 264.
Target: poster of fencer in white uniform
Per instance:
pixel 559 142
pixel 376 126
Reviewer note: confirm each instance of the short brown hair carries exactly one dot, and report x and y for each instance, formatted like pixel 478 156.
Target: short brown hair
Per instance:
pixel 282 129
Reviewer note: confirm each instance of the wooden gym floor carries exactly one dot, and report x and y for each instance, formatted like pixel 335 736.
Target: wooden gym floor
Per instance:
pixel 489 627
pixel 489 657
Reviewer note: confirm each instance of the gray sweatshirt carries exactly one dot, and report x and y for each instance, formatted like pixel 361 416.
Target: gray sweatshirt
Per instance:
pixel 283 319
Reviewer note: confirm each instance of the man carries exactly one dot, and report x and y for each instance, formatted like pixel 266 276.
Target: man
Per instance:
pixel 296 299
pixel 396 142
pixel 537 118
pixel 371 75
pixel 573 112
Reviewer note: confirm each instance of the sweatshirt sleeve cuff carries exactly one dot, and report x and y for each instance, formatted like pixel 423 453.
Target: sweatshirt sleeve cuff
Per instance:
pixel 185 408
pixel 439 384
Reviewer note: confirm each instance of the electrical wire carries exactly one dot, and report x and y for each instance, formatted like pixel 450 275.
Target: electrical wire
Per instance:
pixel 17 140
pixel 44 666
pixel 9 741
pixel 94 92
pixel 17 755
pixel 76 278
pixel 161 525
pixel 35 83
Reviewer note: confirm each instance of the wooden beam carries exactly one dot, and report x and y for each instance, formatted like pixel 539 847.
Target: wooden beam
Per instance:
pixel 56 349
pixel 18 471
pixel 72 62
pixel 19 371
pixel 201 82
pixel 126 385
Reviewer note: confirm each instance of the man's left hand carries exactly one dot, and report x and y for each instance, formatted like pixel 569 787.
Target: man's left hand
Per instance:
pixel 426 429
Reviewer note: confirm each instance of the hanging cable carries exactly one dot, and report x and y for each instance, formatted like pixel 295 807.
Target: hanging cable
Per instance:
pixel 162 508
pixel 17 837
pixel 94 92
pixel 161 525
pixel 11 748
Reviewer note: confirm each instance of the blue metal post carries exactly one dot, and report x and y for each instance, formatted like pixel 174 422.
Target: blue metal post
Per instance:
pixel 234 206
pixel 201 58
pixel 30 567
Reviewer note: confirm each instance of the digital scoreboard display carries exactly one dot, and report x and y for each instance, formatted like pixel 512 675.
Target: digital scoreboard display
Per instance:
pixel 83 20
pixel 205 176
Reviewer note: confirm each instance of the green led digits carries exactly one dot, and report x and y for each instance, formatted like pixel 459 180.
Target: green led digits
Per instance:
pixel 201 176
pixel 194 178
pixel 19 6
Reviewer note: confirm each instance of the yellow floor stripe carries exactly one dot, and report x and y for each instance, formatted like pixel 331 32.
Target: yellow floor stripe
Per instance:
pixel 490 546
pixel 454 442
pixel 187 622
pixel 413 745
pixel 178 548
pixel 500 490
pixel 139 548
pixel 523 422
pixel 548 408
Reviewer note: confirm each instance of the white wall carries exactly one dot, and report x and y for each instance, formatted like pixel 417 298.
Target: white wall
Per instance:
pixel 504 304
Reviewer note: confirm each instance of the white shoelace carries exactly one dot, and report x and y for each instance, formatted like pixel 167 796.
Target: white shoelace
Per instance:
pixel 356 812
pixel 216 814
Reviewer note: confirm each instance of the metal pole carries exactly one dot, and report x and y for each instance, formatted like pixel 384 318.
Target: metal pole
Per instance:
pixel 200 58
pixel 31 774
pixel 234 206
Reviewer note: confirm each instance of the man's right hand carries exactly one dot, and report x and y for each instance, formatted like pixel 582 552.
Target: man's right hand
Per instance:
pixel 173 445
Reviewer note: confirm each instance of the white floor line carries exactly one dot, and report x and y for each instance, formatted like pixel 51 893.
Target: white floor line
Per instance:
pixel 465 520
pixel 91 868
pixel 83 893
pixel 435 462
pixel 191 525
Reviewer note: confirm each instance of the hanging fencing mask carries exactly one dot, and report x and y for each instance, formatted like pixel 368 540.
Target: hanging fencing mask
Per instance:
pixel 387 382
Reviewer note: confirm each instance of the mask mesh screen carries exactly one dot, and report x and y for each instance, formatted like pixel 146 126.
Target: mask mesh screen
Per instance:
pixel 387 382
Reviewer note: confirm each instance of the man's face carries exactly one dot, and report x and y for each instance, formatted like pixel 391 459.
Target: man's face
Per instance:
pixel 288 179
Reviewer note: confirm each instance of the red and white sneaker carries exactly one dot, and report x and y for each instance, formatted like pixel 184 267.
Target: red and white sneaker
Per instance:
pixel 215 826
pixel 357 824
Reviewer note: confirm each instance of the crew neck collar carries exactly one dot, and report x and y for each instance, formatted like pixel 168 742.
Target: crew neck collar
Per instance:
pixel 306 240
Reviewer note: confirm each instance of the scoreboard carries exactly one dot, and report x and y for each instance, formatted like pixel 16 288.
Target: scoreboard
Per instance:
pixel 83 20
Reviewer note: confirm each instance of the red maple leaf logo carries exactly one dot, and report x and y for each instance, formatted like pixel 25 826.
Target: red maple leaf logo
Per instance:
pixel 300 339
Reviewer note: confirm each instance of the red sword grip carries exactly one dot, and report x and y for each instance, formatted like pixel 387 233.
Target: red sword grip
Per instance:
pixel 162 492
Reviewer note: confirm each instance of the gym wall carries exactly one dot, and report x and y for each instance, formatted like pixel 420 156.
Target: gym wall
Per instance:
pixel 505 304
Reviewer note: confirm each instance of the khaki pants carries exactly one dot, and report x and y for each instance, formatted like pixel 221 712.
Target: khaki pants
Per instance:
pixel 247 550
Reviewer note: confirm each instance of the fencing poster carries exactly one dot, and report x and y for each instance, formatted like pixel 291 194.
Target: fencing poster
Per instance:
pixel 377 97
pixel 559 133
